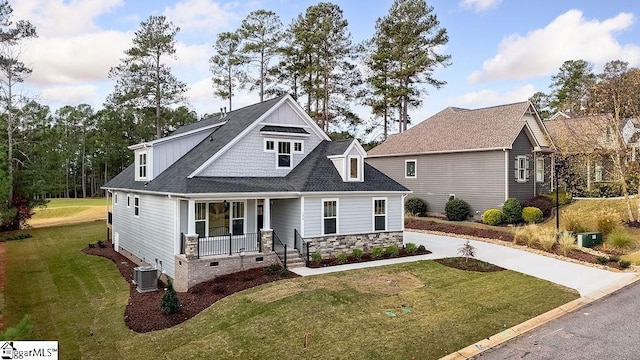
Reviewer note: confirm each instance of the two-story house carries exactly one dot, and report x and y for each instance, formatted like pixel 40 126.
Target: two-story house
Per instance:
pixel 230 192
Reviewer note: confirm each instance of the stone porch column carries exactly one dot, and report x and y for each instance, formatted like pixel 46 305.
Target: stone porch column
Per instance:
pixel 191 246
pixel 267 240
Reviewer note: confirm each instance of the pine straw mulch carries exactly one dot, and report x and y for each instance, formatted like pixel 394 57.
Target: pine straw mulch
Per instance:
pixel 504 237
pixel 143 313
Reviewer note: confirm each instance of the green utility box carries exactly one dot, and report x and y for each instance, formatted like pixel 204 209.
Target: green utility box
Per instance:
pixel 589 239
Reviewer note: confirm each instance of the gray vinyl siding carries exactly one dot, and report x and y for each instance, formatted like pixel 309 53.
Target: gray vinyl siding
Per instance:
pixel 285 217
pixel 168 152
pixel 251 216
pixel 521 190
pixel 355 214
pixel 475 177
pixel 151 235
pixel 249 152
pixel 545 186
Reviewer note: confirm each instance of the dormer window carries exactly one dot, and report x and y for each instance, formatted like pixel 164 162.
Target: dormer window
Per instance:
pixel 284 154
pixel 354 168
pixel 143 165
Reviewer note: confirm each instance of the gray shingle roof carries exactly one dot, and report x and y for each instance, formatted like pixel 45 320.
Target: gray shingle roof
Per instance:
pixel 314 174
pixel 284 129
pixel 456 129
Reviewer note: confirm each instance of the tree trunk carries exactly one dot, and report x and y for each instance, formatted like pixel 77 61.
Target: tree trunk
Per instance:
pixel 158 96
pixel 262 76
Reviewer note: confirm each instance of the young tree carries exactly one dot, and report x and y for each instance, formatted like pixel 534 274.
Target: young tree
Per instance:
pixel 261 35
pixel 143 80
pixel 407 44
pixel 227 66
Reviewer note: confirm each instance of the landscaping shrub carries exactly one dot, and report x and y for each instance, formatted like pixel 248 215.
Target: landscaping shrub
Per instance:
pixel 341 258
pixel 19 332
pixel 526 235
pixel 492 217
pixel 619 239
pixel 357 253
pixel 531 215
pixel 602 259
pixel 574 221
pixel 421 248
pixel 411 248
pixel 392 250
pixel 377 252
pixel 512 211
pixel 607 220
pixel 541 202
pixel 170 302
pixel 624 263
pixel 467 250
pixel 415 206
pixel 272 269
pixel 316 257
pixel 564 197
pixel 457 210
pixel 546 238
pixel 566 241
pixel 284 272
pixel 614 258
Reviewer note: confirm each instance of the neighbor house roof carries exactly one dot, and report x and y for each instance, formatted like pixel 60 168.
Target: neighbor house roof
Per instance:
pixel 455 129
pixel 316 173
pixel 582 134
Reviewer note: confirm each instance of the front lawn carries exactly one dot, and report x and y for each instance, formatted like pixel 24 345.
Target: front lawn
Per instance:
pixel 420 309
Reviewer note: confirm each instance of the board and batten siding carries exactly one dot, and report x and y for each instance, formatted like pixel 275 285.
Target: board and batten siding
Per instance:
pixel 168 152
pixel 248 158
pixel 355 214
pixel 521 190
pixel 285 217
pixel 475 177
pixel 151 235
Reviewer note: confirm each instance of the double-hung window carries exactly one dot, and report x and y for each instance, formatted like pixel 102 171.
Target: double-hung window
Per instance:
pixel 201 219
pixel 136 206
pixel 522 169
pixel 142 165
pixel 409 168
pixel 540 169
pixel 329 217
pixel 237 218
pixel 598 173
pixel 379 214
pixel 354 168
pixel 284 154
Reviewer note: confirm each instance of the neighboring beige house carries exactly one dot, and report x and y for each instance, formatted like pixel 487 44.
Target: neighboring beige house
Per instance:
pixel 482 156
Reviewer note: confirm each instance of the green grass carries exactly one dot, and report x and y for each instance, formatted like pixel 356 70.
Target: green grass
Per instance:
pixel 63 211
pixel 79 300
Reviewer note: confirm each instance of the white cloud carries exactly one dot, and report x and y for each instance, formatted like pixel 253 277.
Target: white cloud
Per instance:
pixel 487 97
pixel 192 57
pixel 479 5
pixel 193 15
pixel 570 36
pixel 56 18
pixel 66 60
pixel 70 95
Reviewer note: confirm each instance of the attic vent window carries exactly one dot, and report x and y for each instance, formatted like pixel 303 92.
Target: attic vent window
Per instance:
pixel 142 166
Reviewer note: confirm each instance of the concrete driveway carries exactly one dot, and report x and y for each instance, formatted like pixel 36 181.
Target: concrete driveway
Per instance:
pixel 584 279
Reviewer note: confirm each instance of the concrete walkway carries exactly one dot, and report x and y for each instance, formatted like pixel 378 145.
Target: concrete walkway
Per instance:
pixel 584 279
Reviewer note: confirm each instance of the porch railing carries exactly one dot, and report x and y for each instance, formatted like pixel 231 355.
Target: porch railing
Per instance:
pixel 280 249
pixel 302 246
pixel 229 244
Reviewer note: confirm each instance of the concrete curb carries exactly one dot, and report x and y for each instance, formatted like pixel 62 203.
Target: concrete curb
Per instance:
pixel 501 337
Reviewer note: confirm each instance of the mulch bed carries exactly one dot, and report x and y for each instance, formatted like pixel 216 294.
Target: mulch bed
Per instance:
pixel 367 257
pixel 143 313
pixel 429 225
pixel 469 264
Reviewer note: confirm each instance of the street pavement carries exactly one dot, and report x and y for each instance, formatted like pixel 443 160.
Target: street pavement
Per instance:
pixel 604 329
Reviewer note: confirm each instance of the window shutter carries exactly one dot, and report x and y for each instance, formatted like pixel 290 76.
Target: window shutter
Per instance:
pixel 515 173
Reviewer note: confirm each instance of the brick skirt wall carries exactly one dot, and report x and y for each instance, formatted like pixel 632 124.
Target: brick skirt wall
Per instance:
pixel 333 245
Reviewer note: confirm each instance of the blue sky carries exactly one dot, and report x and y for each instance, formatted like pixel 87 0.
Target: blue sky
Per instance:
pixel 502 50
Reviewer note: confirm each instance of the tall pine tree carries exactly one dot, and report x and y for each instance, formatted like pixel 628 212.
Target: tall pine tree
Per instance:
pixel 227 66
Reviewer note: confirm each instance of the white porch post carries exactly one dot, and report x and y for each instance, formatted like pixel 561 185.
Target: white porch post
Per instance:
pixel 266 215
pixel 191 217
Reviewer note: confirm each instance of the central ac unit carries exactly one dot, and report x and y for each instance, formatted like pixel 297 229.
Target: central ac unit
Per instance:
pixel 145 278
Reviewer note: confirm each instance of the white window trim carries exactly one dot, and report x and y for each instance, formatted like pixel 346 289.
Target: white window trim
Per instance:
pixel 293 147
pixel 244 216
pixel 322 218
pixel 277 150
pixel 359 165
pixel 265 145
pixel 128 201
pixel 597 171
pixel 539 169
pixel 148 166
pixel 373 214
pixel 115 198
pixel 206 218
pixel 519 170
pixel 415 167
pixel 136 207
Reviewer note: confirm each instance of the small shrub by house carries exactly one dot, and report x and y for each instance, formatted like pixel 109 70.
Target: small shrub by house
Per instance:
pixel 531 215
pixel 457 210
pixel 492 217
pixel 512 211
pixel 415 206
